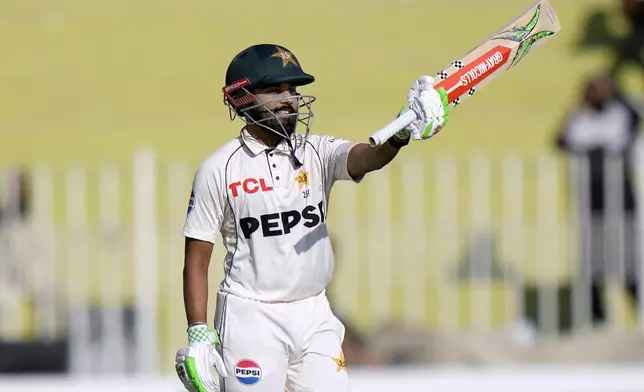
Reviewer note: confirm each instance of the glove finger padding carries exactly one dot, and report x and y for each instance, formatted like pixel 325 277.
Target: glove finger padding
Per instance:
pixel 421 84
pixel 425 83
pixel 432 110
pixel 184 367
pixel 195 366
pixel 218 363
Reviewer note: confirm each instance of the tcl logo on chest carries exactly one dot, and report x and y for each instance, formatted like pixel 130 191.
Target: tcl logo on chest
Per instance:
pixel 249 185
pixel 280 223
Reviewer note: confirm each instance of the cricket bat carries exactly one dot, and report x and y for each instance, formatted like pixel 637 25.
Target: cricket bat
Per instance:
pixel 496 54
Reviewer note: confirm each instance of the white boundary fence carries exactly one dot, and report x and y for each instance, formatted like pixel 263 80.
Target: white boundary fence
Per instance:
pixel 449 245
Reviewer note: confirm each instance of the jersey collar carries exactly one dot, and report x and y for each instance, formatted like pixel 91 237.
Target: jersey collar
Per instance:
pixel 255 146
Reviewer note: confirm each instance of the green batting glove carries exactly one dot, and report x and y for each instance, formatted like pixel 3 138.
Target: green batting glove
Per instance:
pixel 195 364
pixel 432 129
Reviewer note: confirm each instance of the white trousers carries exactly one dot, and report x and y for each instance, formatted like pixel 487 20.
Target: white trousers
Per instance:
pixel 276 347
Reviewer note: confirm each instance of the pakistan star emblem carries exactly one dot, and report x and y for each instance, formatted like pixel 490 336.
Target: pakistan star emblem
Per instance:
pixel 302 179
pixel 341 362
pixel 285 55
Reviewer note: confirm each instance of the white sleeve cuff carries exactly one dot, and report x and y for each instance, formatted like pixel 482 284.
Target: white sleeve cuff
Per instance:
pixel 200 236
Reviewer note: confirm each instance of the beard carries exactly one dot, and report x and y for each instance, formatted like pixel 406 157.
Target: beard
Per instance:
pixel 285 123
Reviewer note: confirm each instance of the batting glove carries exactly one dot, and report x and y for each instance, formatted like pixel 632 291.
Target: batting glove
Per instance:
pixel 431 107
pixel 194 364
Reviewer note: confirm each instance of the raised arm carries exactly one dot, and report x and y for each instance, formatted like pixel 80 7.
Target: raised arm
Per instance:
pixel 432 113
pixel 364 159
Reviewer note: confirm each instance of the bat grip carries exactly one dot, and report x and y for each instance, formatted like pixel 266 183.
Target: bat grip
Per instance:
pixel 382 135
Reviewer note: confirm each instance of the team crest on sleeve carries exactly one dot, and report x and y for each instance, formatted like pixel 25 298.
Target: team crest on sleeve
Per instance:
pixel 248 372
pixel 191 203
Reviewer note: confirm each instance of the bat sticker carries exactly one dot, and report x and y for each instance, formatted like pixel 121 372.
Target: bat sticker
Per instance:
pixel 518 33
pixel 526 45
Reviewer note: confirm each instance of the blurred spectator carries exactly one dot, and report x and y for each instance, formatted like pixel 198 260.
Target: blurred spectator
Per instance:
pixel 605 126
pixel 14 280
pixel 24 283
pixel 17 196
pixel 28 341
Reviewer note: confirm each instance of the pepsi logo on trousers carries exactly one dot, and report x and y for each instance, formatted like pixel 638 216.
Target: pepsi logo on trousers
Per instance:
pixel 248 372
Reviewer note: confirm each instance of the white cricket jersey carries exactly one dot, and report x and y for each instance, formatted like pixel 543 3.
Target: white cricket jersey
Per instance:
pixel 271 214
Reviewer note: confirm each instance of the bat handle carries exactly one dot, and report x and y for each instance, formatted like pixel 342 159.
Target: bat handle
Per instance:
pixel 381 135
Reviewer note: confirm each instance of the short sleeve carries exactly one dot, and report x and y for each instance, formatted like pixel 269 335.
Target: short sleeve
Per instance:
pixel 334 153
pixel 205 208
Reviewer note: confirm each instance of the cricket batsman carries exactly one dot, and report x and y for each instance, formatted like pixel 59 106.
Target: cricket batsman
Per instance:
pixel 266 192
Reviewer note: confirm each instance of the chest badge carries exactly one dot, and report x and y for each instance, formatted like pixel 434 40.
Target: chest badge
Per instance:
pixel 302 179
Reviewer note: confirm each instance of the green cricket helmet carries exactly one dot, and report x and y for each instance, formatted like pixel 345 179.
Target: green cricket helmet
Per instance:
pixel 267 65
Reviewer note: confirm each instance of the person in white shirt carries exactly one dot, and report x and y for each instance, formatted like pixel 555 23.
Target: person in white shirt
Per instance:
pixel 266 192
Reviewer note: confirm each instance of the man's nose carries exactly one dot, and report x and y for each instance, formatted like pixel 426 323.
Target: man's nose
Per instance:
pixel 286 95
pixel 288 98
